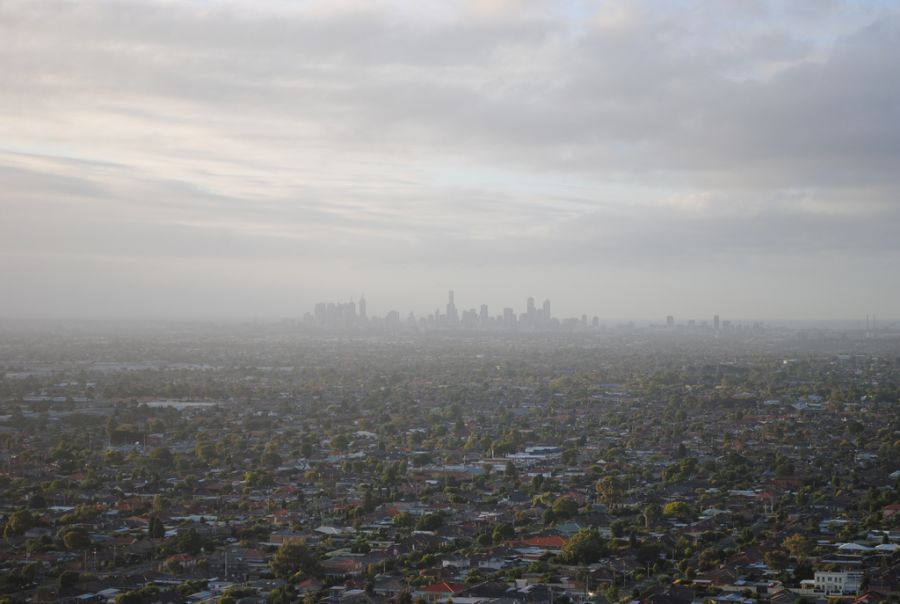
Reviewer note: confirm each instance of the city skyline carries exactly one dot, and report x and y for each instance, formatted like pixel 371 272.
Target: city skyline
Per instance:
pixel 528 316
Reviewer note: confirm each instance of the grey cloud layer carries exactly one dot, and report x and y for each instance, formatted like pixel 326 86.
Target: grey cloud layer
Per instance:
pixel 325 130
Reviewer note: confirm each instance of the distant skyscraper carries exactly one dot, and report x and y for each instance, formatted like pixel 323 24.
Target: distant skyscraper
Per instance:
pixel 321 313
pixel 531 317
pixel 452 314
pixel 362 308
pixel 547 310
pixel 716 322
pixel 509 318
pixel 483 316
pixel 670 321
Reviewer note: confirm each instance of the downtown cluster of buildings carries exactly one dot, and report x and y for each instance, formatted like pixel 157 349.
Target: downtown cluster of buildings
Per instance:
pixel 353 315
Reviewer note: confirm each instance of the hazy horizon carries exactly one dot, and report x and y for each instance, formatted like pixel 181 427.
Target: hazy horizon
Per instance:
pixel 630 160
pixel 885 325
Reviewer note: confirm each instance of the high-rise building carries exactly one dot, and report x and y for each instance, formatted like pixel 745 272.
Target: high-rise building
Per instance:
pixel 452 314
pixel 531 317
pixel 362 309
pixel 716 322
pixel 509 318
pixel 546 307
pixel 670 321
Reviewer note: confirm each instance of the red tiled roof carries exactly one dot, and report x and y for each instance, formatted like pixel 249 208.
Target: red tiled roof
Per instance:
pixel 444 587
pixel 549 541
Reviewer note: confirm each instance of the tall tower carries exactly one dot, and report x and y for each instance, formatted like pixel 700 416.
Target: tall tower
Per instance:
pixel 716 322
pixel 362 308
pixel 547 310
pixel 452 315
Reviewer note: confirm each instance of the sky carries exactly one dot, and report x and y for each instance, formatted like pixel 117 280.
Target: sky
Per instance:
pixel 626 159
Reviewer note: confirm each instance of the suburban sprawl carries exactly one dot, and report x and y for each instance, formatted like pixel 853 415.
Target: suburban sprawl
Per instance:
pixel 282 463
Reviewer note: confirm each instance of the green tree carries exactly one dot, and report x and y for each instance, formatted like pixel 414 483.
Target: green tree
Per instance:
pixel 404 520
pixel 19 522
pixel 799 546
pixel 776 559
pixel 430 522
pixel 502 532
pixel 270 458
pixel 162 457
pixel 292 558
pixel 156 530
pixel 584 547
pixel 76 539
pixel 651 514
pixel 137 596
pixel 237 592
pixel 37 501
pixel 258 478
pixel 68 579
pixel 205 450
pixel 186 588
pixel 512 474
pixel 18 578
pixel 648 552
pixel 709 557
pixel 565 507
pixel 608 489
pixel 679 510
pixel 190 542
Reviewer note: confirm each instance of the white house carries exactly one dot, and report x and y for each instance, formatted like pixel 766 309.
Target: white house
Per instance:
pixel 844 583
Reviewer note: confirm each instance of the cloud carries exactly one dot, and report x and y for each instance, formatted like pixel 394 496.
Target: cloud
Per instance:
pixel 515 133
